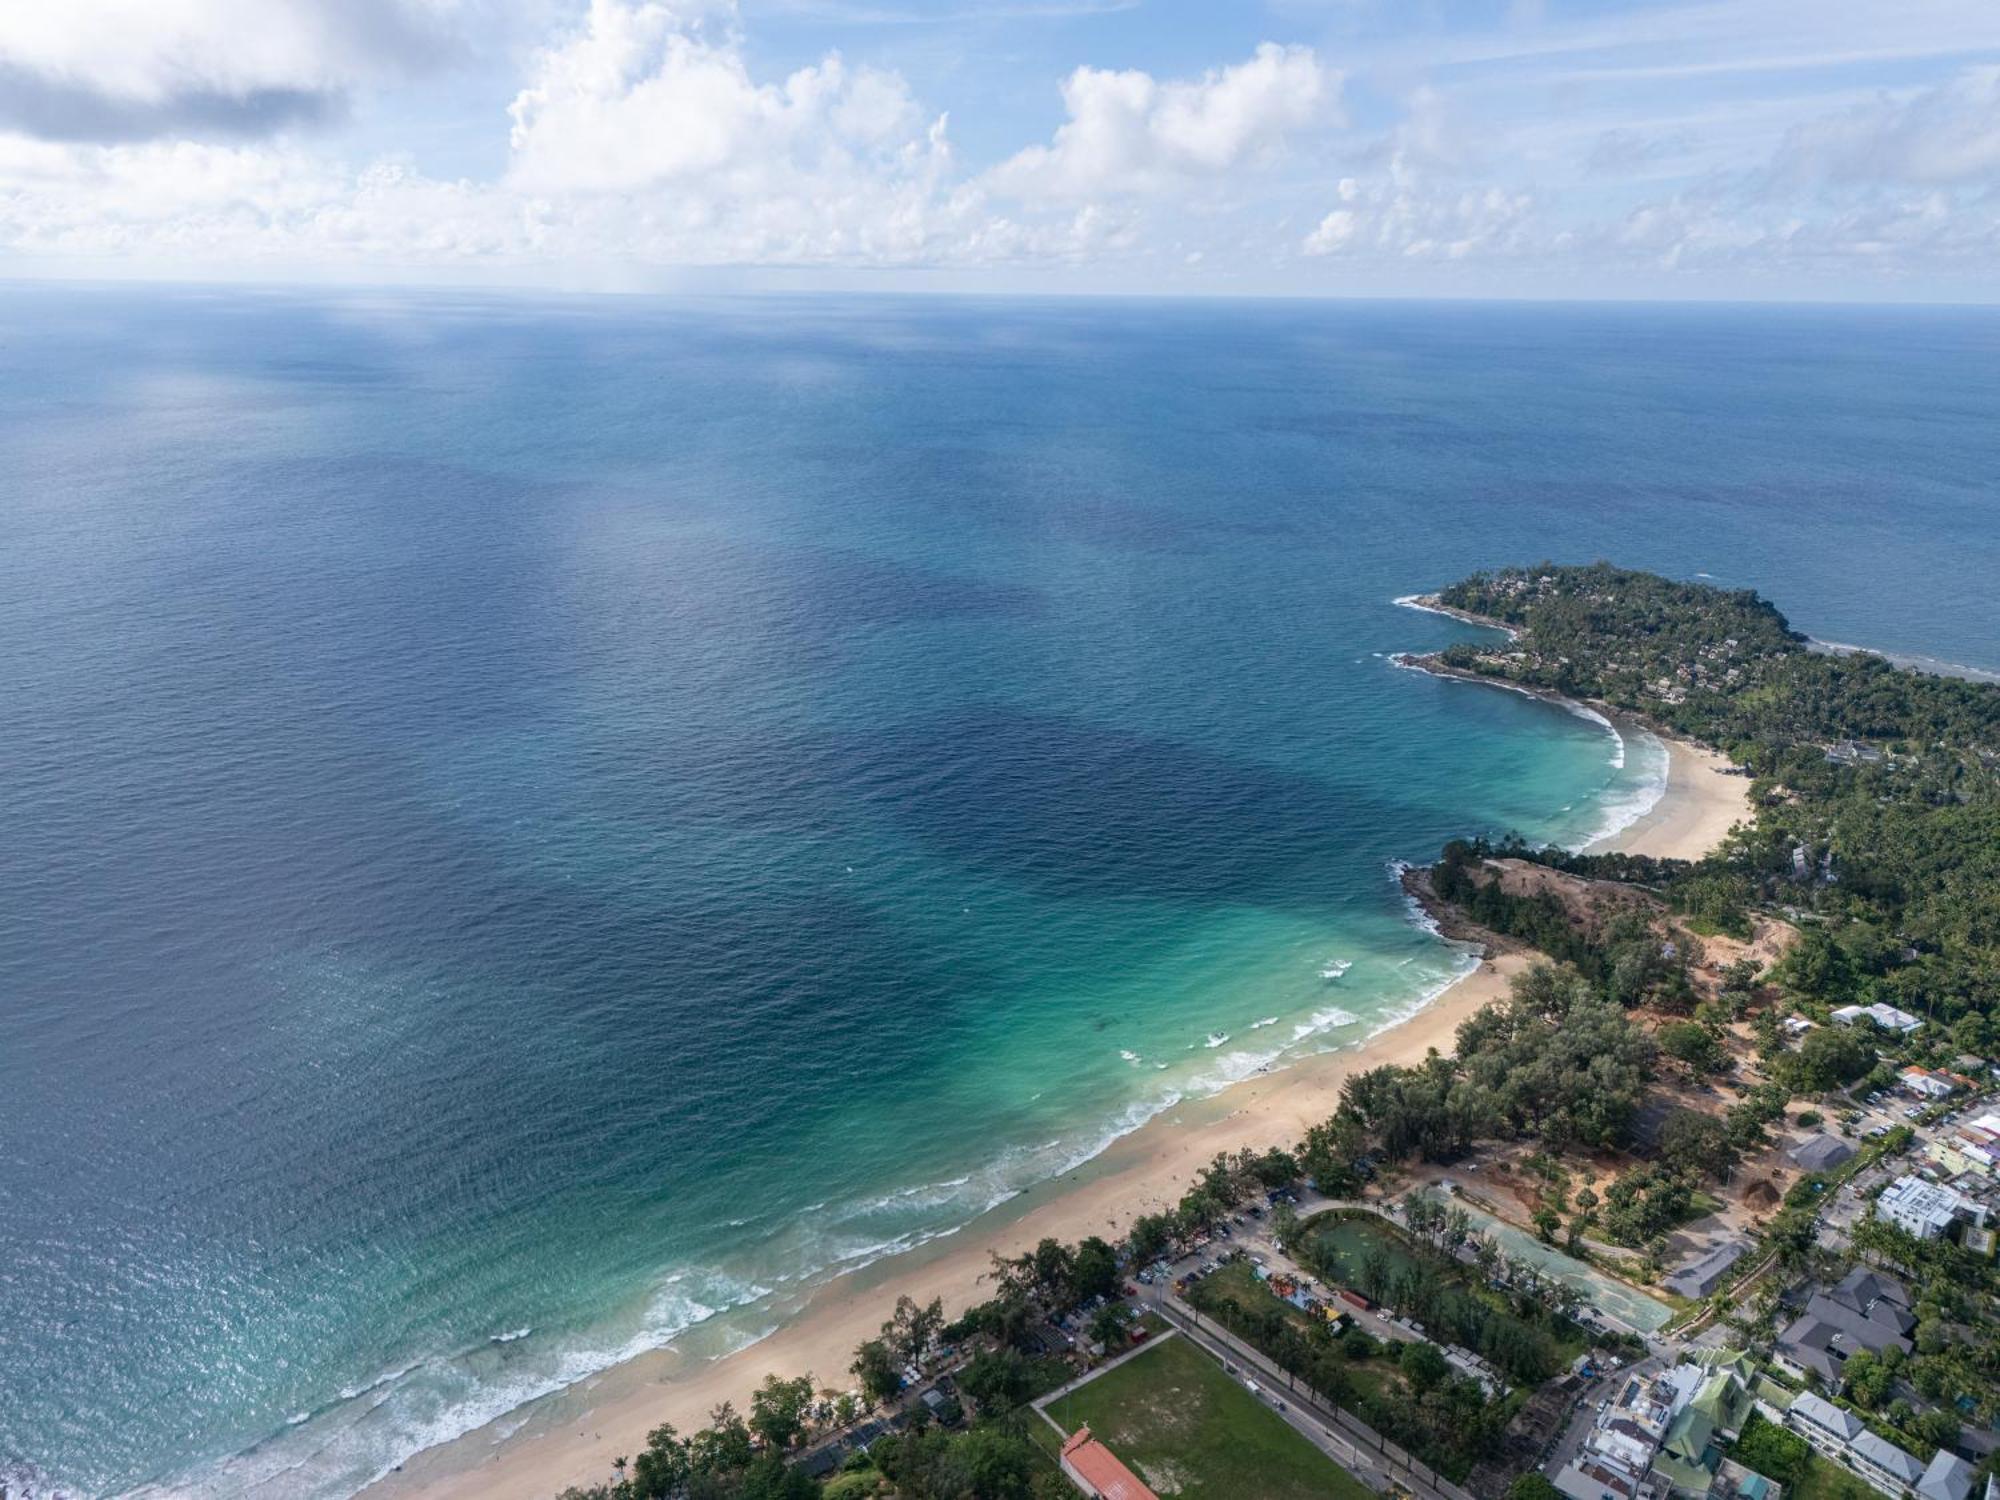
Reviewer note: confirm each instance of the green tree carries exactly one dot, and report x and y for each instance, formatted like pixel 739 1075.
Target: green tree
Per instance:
pixel 778 1410
pixel 911 1329
pixel 875 1367
pixel 1696 1143
pixel 1422 1364
pixel 1093 1271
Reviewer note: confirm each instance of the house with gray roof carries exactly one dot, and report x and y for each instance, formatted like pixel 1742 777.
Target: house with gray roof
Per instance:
pixel 1864 1310
pixel 1701 1276
pixel 1883 1464
pixel 1826 1426
pixel 1949 1477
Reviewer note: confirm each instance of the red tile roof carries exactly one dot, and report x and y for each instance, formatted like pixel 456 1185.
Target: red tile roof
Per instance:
pixel 1098 1467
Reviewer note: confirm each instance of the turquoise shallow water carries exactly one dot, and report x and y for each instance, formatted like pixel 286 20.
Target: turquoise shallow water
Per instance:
pixel 536 827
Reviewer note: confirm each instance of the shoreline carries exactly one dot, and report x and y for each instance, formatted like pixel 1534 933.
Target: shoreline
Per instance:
pixel 531 1455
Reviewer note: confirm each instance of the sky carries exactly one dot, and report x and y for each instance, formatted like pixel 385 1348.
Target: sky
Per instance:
pixel 1763 149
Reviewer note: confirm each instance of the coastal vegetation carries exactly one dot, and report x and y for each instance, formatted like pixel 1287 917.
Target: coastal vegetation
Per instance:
pixel 1406 1390
pixel 1556 1062
pixel 1876 851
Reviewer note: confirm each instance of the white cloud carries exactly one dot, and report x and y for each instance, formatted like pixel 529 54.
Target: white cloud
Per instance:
pixel 132 69
pixel 644 95
pixel 1402 216
pixel 643 136
pixel 1127 132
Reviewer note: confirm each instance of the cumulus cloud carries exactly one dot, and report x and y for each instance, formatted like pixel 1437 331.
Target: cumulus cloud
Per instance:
pixel 111 70
pixel 645 95
pixel 641 138
pixel 1127 132
pixel 640 135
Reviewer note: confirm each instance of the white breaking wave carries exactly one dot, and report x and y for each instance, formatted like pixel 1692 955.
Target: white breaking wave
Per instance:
pixel 1324 1020
pixel 1216 1039
pixel 373 1427
pixel 1416 602
pixel 1267 1021
pixel 1335 969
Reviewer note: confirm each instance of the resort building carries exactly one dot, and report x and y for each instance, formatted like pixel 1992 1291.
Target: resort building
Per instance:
pixel 1864 1310
pixel 1949 1477
pixel 1973 1147
pixel 1095 1470
pixel 1883 1464
pixel 1616 1459
pixel 1888 1017
pixel 1844 1438
pixel 1927 1209
pixel 1827 1427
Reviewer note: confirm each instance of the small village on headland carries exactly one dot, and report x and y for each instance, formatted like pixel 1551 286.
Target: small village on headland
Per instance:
pixel 1703 1206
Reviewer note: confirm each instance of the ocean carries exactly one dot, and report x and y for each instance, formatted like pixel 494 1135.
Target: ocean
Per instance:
pixel 534 827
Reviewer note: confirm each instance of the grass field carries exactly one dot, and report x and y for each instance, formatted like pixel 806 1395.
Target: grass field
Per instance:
pixel 1826 1480
pixel 1192 1432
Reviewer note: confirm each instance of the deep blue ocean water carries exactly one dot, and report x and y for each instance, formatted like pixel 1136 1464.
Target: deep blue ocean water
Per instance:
pixel 533 826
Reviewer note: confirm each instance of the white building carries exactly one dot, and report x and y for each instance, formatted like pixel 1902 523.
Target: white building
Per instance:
pixel 1844 1438
pixel 1826 1426
pixel 1922 1083
pixel 1883 1464
pixel 1927 1209
pixel 1886 1016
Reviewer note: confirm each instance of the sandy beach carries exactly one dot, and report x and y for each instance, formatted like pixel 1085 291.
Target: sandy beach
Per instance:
pixel 1704 800
pixel 1145 1171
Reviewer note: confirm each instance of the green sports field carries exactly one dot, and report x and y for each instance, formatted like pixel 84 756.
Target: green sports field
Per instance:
pixel 1193 1432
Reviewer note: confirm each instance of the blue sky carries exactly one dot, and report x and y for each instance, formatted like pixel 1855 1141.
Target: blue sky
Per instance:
pixel 1499 148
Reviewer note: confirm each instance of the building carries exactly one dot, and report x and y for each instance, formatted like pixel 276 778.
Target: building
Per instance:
pixel 1690 1455
pixel 1822 1152
pixel 1795 1026
pixel 1616 1459
pixel 1701 1276
pixel 1844 1438
pixel 1095 1470
pixel 1883 1464
pixel 1888 1017
pixel 1864 1310
pixel 1973 1146
pixel 1927 1209
pixel 1949 1477
pixel 1924 1083
pixel 1827 1427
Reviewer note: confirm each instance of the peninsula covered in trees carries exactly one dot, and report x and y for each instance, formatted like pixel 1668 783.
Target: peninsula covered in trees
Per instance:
pixel 1877 788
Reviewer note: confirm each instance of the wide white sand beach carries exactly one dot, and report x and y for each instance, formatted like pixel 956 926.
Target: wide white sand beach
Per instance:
pixel 1145 1171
